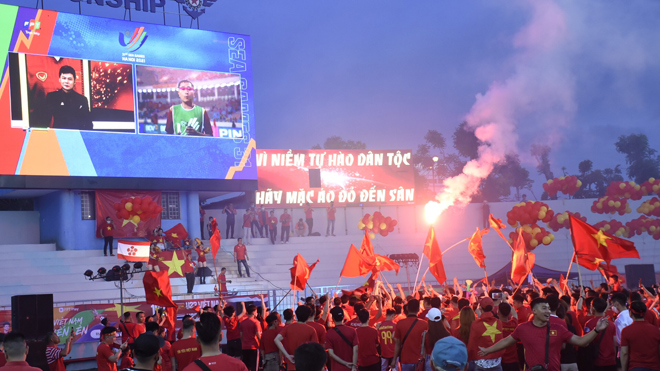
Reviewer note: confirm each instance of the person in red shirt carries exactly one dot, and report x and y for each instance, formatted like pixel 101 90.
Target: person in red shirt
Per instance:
pixel 154 257
pixel 484 332
pixel 342 343
pixel 209 334
pixel 16 351
pixel 241 257
pixel 386 339
pixel 285 219
pixel 107 231
pixel 509 319
pixel 368 356
pixel 140 327
pixel 54 355
pixel 250 338
pixel 201 260
pixel 522 311
pixel 106 359
pixel 300 228
pixel 295 334
pixel 232 322
pixel 408 337
pixel 319 328
pixel 186 350
pixel 247 225
pixel 606 359
pixel 309 218
pixel 640 342
pixel 222 280
pixel 534 334
pixel 272 226
pixel 331 210
pixel 271 354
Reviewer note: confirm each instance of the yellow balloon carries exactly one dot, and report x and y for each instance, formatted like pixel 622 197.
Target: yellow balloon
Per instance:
pixel 383 226
pixel 550 181
pixel 533 242
pixel 617 204
pixel 536 230
pixel 541 214
pixel 651 180
pixel 136 219
pixel 372 235
pixel 547 240
pixel 622 185
pixel 370 225
pixel 579 183
pixel 361 225
pixel 129 206
pixel 610 203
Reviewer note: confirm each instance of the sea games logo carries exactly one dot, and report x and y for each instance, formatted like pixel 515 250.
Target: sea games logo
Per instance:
pixel 195 8
pixel 135 41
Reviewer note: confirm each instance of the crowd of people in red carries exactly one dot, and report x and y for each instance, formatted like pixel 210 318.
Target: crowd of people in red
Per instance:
pixel 546 327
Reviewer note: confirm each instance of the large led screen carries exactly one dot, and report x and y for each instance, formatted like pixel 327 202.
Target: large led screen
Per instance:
pixel 94 97
pixel 374 177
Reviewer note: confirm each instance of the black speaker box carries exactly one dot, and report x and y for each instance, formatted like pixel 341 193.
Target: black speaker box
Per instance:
pixel 636 271
pixel 32 315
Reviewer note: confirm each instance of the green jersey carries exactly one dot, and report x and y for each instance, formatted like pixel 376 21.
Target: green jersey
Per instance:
pixel 183 118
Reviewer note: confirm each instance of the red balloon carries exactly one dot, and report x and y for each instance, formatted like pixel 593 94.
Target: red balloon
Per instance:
pixel 136 208
pixel 118 215
pixel 388 220
pixel 384 233
pixel 137 201
pixel 147 199
pixel 394 222
pixel 390 228
pixel 159 209
pixel 117 206
pixel 124 214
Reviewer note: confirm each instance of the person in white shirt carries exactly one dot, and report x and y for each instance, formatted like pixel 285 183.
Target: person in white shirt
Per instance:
pixel 620 305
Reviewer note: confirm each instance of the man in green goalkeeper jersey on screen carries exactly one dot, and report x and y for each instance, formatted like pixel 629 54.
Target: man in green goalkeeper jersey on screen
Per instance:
pixel 187 118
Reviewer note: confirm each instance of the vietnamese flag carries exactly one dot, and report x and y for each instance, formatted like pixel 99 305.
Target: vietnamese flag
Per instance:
pixel 477 249
pixel 433 253
pixel 593 246
pixel 366 248
pixel 497 225
pixel 169 322
pixel 383 263
pixel 356 264
pixel 176 234
pixel 215 242
pixel 300 272
pixel 522 261
pixel 157 288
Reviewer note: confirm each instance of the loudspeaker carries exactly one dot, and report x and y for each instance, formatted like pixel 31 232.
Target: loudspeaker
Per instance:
pixel 314 178
pixel 32 315
pixel 636 271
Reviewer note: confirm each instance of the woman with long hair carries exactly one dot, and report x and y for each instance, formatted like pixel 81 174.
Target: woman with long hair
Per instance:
pixel 466 317
pixel 437 330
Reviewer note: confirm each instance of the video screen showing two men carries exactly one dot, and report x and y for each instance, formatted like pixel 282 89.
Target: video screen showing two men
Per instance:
pixel 77 94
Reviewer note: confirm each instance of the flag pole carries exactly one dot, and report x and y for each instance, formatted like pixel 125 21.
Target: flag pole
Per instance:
pixel 570 266
pixel 419 267
pixel 486 274
pixel 580 275
pixel 278 303
pixel 443 253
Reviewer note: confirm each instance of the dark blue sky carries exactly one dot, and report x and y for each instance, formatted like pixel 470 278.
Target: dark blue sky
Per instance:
pixel 386 71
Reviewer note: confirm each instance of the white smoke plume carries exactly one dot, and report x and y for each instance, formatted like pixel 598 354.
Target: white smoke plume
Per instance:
pixel 541 85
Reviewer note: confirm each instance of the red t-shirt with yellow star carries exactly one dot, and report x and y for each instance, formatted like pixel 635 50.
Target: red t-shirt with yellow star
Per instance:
pixel 107 230
pixel 484 332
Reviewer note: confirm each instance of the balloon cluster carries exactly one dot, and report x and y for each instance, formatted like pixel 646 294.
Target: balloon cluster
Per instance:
pixel 561 220
pixel 533 235
pixel 137 209
pixel 529 212
pixel 611 205
pixel 650 207
pixel 629 190
pixel 644 225
pixel 614 227
pixel 565 184
pixel 651 186
pixel 377 223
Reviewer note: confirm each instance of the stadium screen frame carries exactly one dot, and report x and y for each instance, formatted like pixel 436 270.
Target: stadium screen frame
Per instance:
pixel 129 74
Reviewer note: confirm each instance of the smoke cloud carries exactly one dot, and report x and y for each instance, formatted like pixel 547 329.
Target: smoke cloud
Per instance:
pixel 541 86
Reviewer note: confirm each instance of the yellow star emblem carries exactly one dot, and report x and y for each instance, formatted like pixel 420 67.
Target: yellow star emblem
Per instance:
pixel 174 265
pixel 175 235
pixel 117 309
pixel 158 292
pixel 109 228
pixel 601 238
pixel 491 330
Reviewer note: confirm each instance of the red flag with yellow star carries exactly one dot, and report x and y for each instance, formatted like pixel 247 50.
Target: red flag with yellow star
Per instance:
pixel 593 246
pixel 157 288
pixel 215 242
pixel 522 260
pixel 300 272
pixel 433 253
pixel 477 248
pixel 176 234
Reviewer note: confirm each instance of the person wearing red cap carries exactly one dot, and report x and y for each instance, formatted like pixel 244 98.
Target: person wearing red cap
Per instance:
pixel 484 332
